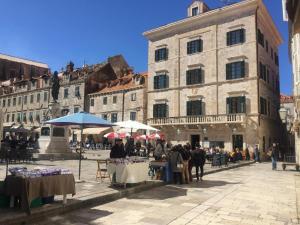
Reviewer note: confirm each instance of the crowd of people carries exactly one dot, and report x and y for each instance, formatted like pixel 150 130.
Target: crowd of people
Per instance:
pixel 17 147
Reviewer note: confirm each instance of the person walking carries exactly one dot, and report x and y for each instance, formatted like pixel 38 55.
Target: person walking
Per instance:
pixel 256 154
pixel 247 153
pixel 198 158
pixel 274 156
pixel 176 162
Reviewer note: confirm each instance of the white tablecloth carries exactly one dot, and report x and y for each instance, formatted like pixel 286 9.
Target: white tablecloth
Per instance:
pixel 129 173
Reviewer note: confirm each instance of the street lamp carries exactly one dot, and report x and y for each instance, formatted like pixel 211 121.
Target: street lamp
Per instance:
pixel 283 114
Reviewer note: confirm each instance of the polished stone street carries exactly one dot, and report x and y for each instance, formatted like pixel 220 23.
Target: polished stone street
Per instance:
pixel 249 195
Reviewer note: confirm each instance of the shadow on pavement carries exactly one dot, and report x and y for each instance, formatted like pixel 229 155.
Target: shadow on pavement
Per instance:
pixel 210 183
pixel 161 193
pixel 86 216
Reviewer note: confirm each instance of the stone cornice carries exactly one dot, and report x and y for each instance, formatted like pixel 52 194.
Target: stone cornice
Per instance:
pixel 208 17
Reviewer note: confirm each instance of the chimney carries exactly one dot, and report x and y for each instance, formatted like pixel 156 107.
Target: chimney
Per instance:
pixel 197 7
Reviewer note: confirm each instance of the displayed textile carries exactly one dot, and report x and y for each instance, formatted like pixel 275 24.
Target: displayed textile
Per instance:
pixel 129 171
pixel 29 188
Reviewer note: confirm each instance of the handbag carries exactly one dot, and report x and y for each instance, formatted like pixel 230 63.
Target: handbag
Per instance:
pixel 269 153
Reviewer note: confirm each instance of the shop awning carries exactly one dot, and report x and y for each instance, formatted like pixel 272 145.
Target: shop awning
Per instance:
pixel 97 130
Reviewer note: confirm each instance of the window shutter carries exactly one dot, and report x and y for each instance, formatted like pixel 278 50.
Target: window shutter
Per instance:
pixel 156 55
pixel 166 53
pixel 228 71
pixel 228 38
pixel 201 45
pixel 156 82
pixel 154 111
pixel 243 73
pixel 166 81
pixel 188 49
pixel 202 108
pixel 200 76
pixel 243 104
pixel 242 35
pixel 228 105
pixel 188 77
pixel 165 111
pixel 188 108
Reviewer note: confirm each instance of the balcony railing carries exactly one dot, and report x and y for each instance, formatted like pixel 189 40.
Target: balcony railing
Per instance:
pixel 194 120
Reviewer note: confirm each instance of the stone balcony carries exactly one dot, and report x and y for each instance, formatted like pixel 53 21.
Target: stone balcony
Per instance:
pixel 201 120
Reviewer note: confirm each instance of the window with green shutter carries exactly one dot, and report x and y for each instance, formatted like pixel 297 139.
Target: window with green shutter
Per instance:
pixel 236 105
pixel 236 37
pixel 161 54
pixel 160 110
pixel 194 76
pixel 235 70
pixel 194 46
pixel 260 38
pixel 161 81
pixel 194 108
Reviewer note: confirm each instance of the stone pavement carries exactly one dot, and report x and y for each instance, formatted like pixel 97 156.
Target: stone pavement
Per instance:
pixel 248 195
pixel 87 193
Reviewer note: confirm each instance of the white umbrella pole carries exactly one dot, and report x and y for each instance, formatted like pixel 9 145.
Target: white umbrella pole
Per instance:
pixel 80 150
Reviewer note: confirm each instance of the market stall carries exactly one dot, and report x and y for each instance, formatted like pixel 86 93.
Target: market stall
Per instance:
pixel 29 185
pixel 130 170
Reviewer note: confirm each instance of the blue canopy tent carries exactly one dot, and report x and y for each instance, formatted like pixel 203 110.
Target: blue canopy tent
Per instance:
pixel 81 120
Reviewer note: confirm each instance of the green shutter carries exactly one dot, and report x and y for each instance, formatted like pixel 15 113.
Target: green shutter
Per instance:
pixel 228 38
pixel 228 105
pixel 228 71
pixel 188 108
pixel 188 49
pixel 242 35
pixel 201 45
pixel 243 73
pixel 156 55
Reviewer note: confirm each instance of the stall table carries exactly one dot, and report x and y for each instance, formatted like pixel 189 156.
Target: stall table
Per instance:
pixel 129 173
pixel 30 188
pixel 166 169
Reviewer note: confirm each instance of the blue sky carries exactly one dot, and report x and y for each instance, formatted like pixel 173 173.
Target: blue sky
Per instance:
pixel 58 31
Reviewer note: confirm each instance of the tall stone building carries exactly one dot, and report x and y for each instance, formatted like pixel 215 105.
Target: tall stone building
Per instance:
pixel 214 76
pixel 291 9
pixel 122 99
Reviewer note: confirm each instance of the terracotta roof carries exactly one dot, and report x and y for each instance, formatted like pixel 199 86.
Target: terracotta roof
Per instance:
pixel 286 98
pixel 125 83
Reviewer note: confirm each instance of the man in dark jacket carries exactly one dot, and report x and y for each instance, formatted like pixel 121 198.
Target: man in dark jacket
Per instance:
pixel 117 151
pixel 198 158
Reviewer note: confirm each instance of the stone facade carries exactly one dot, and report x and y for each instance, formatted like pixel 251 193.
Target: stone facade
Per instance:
pixel 26 101
pixel 215 124
pixel 122 99
pixel 291 10
pixel 15 67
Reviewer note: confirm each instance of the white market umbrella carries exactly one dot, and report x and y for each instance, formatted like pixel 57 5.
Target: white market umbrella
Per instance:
pixel 130 124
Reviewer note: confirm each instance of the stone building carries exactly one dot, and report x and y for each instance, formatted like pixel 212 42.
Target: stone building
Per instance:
pixel 213 77
pixel 77 84
pixel 24 91
pixel 121 99
pixel 25 101
pixel 14 67
pixel 291 9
